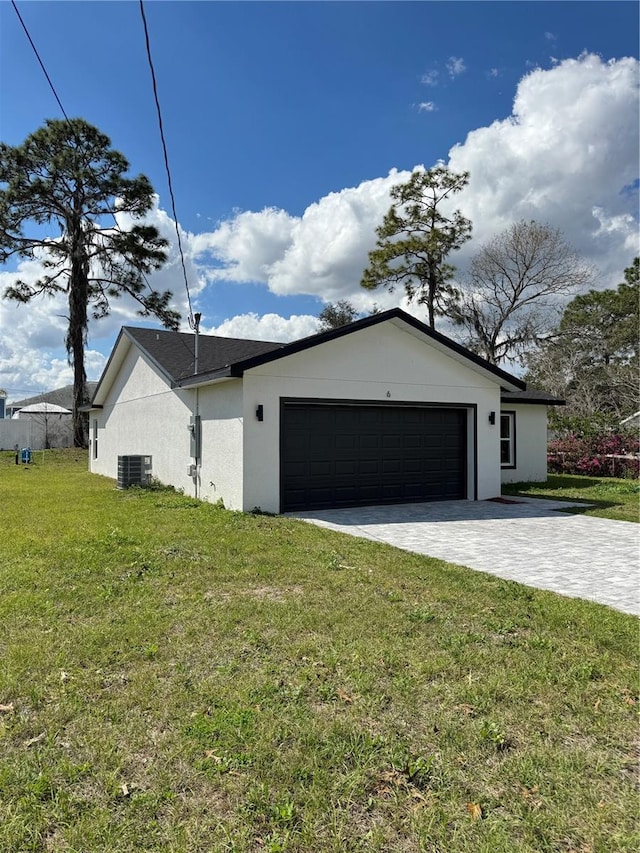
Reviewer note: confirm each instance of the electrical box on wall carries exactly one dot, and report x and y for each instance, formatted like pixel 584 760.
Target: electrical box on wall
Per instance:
pixel 195 429
pixel 192 470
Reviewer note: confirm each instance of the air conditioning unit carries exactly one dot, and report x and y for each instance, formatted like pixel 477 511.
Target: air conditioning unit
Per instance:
pixel 133 471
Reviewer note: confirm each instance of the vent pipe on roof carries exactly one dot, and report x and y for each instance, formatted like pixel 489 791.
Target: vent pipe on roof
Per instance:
pixel 196 329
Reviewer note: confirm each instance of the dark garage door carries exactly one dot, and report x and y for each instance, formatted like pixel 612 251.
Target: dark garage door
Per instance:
pixel 341 455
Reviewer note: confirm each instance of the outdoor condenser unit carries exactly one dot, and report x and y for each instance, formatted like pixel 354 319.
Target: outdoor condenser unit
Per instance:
pixel 133 471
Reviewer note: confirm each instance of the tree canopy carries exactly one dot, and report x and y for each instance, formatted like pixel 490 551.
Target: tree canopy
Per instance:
pixel 65 176
pixel 511 297
pixel 416 237
pixel 592 359
pixel 336 314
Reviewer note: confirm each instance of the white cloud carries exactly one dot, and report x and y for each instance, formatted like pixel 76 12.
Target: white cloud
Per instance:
pixel 268 327
pixel 493 73
pixel 321 253
pixel 331 241
pixel 430 78
pixel 567 156
pixel 568 150
pixel 245 246
pixel 427 107
pixel 456 66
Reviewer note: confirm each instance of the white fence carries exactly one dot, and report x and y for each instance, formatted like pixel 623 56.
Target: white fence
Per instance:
pixel 15 432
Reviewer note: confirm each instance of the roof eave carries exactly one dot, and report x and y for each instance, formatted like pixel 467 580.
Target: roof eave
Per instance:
pixel 550 401
pixel 197 379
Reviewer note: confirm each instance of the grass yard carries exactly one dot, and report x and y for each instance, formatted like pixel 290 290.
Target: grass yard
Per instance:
pixel 607 497
pixel 178 677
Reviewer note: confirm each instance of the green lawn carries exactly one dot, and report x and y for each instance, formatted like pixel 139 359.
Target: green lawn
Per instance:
pixel 606 497
pixel 178 677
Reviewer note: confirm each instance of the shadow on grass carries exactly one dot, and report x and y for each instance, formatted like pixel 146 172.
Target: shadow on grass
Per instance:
pixel 553 483
pixel 587 505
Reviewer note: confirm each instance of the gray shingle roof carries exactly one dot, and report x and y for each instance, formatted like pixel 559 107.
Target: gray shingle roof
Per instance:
pixel 60 397
pixel 173 352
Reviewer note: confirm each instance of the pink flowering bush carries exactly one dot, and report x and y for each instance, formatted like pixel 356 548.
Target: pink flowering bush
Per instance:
pixel 609 455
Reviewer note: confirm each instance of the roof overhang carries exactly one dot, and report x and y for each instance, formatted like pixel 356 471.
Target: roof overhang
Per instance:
pixel 531 398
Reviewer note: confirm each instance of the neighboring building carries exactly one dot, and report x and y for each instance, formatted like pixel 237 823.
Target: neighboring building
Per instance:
pixel 59 397
pixel 50 425
pixel 42 421
pixel 383 410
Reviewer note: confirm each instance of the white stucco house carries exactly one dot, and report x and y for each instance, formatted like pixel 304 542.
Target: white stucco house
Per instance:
pixel 383 410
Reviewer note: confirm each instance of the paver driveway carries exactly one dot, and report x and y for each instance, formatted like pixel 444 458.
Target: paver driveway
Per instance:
pixel 528 541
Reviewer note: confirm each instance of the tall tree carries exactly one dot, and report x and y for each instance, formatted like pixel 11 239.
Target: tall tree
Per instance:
pixel 592 359
pixel 66 176
pixel 336 314
pixel 512 294
pixel 416 237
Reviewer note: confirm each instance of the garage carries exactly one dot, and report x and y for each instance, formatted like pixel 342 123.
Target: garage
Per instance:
pixel 338 454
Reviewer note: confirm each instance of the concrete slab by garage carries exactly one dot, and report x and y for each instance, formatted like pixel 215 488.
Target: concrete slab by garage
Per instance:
pixel 529 541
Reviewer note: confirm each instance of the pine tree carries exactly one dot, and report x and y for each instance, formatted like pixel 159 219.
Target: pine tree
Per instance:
pixel 66 176
pixel 416 237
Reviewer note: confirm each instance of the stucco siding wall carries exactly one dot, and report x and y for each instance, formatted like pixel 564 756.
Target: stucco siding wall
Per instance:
pixel 142 415
pixel 382 363
pixel 221 467
pixel 531 445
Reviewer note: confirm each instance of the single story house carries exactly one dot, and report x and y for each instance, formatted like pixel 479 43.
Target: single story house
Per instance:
pixel 383 410
pixel 50 425
pixel 42 421
pixel 59 397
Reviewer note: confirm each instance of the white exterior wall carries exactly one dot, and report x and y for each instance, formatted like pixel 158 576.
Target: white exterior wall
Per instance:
pixel 531 445
pixel 141 414
pixel 380 363
pixel 220 408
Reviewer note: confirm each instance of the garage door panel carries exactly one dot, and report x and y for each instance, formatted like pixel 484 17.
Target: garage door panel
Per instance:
pixel 320 469
pixel 341 455
pixel 345 467
pixel 295 469
pixel 346 441
pixel 369 442
pixel 344 495
pixel 392 467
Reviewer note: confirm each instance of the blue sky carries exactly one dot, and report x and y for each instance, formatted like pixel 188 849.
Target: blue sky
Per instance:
pixel 287 124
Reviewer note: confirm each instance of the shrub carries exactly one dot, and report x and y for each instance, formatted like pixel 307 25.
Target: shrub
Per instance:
pixel 608 455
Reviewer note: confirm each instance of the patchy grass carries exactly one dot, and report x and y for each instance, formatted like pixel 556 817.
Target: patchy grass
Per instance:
pixel 609 497
pixel 178 677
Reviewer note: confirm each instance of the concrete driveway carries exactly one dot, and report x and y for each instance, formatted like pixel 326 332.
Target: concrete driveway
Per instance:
pixel 527 541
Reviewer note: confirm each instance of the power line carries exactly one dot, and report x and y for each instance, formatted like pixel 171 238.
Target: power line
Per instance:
pixel 166 157
pixel 24 27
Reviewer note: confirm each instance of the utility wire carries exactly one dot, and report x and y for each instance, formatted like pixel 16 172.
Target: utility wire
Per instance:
pixel 24 27
pixel 166 158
